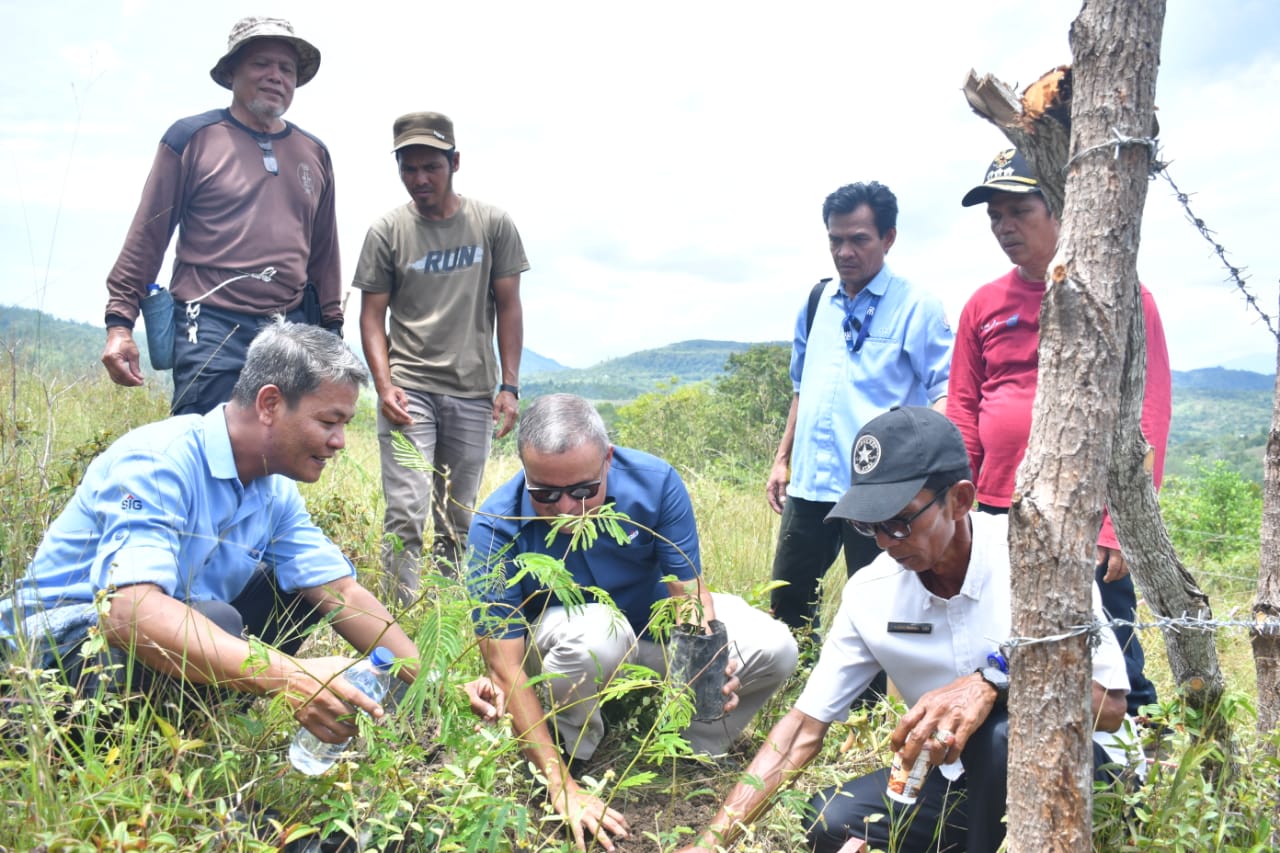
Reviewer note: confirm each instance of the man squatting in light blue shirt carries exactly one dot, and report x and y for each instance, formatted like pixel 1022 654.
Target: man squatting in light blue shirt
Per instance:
pixel 194 533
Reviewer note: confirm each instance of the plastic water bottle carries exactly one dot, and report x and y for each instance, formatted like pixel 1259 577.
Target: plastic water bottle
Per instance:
pixel 372 677
pixel 157 314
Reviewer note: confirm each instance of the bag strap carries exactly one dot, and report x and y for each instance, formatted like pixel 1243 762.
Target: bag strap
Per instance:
pixel 814 295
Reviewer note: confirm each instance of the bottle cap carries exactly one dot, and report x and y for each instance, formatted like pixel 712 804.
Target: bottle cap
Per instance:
pixel 382 658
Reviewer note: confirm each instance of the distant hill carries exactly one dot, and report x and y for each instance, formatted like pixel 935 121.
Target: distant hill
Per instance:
pixel 1222 379
pixel 40 341
pixel 531 364
pixel 627 377
pixel 1218 413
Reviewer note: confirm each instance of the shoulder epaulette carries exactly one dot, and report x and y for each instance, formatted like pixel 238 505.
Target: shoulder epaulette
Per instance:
pixel 310 136
pixel 181 131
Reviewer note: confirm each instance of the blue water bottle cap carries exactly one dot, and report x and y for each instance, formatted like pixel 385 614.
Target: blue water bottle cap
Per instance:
pixel 153 287
pixel 382 658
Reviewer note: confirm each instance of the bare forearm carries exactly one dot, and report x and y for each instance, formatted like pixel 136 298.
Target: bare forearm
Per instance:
pixel 504 659
pixel 365 623
pixel 168 636
pixel 510 331
pixel 783 453
pixel 792 744
pixel 373 335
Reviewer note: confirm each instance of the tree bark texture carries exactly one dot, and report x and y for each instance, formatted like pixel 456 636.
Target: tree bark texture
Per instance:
pixel 1169 589
pixel 1266 644
pixel 1085 326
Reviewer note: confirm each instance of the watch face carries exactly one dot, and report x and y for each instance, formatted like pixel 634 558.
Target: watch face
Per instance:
pixel 996 678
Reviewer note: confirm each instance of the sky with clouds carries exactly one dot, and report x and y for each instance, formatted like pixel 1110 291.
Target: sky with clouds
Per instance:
pixel 665 162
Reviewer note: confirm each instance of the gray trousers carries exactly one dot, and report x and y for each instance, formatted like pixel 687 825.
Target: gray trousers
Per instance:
pixel 453 435
pixel 583 652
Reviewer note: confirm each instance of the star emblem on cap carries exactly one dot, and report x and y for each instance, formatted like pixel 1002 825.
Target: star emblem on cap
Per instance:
pixel 866 454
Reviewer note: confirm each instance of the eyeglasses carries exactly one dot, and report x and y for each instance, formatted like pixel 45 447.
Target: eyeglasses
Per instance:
pixel 268 156
pixel 894 528
pixel 578 491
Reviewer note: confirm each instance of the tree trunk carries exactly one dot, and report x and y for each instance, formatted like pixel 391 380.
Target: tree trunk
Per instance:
pixel 1085 324
pixel 1169 589
pixel 1266 644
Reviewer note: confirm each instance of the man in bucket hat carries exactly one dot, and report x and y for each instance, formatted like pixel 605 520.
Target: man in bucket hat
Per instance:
pixel 933 604
pixel 447 268
pixel 252 199
pixel 995 366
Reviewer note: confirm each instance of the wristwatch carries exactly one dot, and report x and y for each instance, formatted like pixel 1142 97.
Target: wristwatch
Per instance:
pixel 514 390
pixel 998 679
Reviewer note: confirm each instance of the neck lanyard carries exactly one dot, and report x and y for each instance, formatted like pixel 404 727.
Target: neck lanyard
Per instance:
pixel 852 325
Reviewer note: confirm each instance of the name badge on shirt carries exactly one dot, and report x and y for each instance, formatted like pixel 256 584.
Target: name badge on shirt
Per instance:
pixel 910 627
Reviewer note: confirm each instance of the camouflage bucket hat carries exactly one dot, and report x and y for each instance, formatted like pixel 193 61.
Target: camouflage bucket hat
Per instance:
pixel 249 29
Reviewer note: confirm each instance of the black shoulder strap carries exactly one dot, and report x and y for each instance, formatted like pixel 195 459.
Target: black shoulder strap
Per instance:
pixel 814 295
pixel 181 131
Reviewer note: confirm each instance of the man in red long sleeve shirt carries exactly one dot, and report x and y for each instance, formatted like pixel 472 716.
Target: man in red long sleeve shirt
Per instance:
pixel 994 369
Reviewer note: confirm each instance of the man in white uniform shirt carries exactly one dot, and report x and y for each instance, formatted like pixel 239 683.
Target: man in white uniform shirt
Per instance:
pixel 928 611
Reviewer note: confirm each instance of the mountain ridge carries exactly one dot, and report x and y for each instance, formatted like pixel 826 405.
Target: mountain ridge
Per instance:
pixel 1219 413
pixel 79 345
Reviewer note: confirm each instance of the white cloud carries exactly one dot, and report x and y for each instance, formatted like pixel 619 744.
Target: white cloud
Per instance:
pixel 666 163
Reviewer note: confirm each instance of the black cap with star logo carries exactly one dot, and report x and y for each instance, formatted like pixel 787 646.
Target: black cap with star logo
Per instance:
pixel 893 456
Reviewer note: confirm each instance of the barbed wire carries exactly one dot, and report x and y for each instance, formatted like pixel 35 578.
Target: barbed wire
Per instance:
pixel 1119 141
pixel 1160 168
pixel 1093 629
pixel 1200 572
pixel 1236 273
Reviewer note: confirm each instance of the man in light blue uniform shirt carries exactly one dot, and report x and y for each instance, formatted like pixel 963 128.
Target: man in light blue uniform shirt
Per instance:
pixel 187 536
pixel 873 341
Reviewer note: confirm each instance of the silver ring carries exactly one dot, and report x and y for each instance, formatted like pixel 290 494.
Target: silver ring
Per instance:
pixel 942 735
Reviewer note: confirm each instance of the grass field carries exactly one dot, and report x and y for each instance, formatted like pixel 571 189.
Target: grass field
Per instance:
pixel 430 773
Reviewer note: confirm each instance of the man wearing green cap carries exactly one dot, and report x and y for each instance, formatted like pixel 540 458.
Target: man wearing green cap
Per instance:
pixel 252 199
pixel 446 268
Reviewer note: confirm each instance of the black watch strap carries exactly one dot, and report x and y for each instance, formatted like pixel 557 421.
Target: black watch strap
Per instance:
pixel 999 680
pixel 513 390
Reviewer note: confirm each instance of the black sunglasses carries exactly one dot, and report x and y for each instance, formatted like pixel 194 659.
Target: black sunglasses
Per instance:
pixel 578 491
pixel 894 528
pixel 268 156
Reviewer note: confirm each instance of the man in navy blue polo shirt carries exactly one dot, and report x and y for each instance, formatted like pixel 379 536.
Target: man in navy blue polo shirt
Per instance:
pixel 570 471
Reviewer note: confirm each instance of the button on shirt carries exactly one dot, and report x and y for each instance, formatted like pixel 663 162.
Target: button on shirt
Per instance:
pixel 905 360
pixel 645 488
pixel 164 505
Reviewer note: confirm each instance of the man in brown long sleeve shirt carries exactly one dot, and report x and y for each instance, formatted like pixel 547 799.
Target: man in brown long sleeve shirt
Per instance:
pixel 252 199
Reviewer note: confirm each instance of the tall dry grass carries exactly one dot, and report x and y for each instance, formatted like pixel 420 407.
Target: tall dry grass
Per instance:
pixel 146 784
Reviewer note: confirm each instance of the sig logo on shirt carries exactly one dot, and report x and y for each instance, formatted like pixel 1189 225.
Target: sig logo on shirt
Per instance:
pixel 130 502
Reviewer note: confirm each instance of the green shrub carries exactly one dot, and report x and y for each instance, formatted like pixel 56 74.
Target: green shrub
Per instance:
pixel 1213 515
